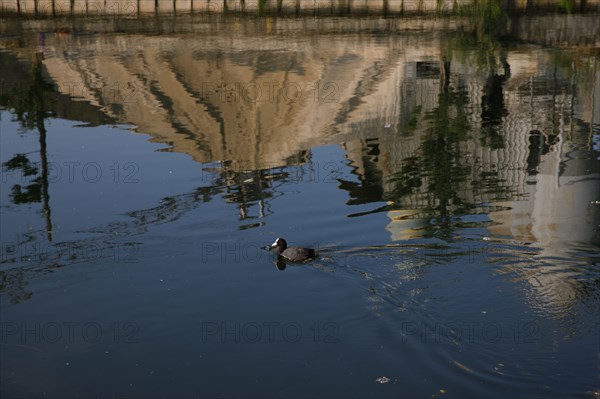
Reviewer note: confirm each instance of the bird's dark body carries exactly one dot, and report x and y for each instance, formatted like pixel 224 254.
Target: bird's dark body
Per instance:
pixel 294 254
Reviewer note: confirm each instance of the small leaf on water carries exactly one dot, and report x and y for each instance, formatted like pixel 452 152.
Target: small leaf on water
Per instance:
pixel 383 380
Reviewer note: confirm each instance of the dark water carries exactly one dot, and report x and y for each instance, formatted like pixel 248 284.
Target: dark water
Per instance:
pixel 449 178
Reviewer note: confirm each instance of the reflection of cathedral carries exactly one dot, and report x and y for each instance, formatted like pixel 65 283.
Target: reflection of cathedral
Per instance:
pixel 259 100
pixel 258 103
pixel 425 126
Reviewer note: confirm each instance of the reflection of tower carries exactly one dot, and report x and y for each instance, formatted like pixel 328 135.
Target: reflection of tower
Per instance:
pixel 562 181
pixel 528 126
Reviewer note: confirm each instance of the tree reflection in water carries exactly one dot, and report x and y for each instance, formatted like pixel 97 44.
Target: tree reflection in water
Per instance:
pixel 440 181
pixel 31 104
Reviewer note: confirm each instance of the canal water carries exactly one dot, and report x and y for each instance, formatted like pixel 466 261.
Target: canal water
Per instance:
pixel 447 174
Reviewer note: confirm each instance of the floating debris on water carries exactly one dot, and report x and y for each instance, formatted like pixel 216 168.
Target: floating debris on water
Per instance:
pixel 383 380
pixel 462 366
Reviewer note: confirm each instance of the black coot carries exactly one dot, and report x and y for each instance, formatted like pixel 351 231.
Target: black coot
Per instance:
pixel 295 254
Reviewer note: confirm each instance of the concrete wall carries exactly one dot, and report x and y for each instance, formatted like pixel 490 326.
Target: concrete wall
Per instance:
pixel 133 8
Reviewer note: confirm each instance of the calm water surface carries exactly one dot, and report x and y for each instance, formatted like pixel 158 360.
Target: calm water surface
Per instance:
pixel 449 179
